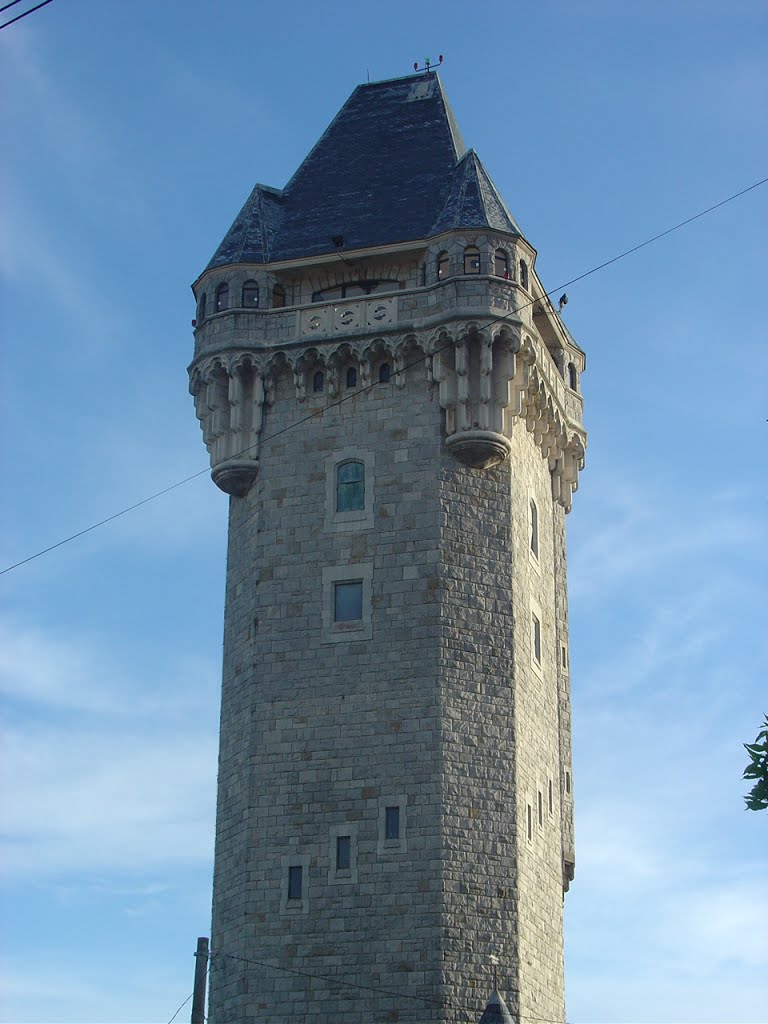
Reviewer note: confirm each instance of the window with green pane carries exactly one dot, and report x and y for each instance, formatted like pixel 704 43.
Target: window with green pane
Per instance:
pixel 350 487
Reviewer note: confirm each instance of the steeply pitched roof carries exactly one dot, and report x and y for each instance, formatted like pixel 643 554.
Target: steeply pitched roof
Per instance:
pixel 496 1012
pixel 473 201
pixel 390 167
pixel 251 238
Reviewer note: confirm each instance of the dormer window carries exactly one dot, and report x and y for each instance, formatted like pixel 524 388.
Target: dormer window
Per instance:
pixel 443 264
pixel 250 297
pixel 222 297
pixel 524 274
pixel 278 297
pixel 471 260
pixel 501 264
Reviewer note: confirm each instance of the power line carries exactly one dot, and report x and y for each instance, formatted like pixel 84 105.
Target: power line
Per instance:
pixel 20 16
pixel 361 391
pixel 11 4
pixel 191 994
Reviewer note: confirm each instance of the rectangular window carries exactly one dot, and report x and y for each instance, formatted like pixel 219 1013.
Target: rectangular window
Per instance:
pixel 348 601
pixel 295 873
pixel 536 638
pixel 550 798
pixel 567 782
pixel 529 821
pixel 343 853
pixel 350 487
pixel 564 656
pixel 540 808
pixel 392 823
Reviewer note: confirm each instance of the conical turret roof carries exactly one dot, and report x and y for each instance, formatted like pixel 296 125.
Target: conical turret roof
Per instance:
pixel 473 201
pixel 391 167
pixel 496 1012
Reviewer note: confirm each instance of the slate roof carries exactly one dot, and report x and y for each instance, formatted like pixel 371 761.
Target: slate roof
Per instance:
pixel 391 167
pixel 496 1012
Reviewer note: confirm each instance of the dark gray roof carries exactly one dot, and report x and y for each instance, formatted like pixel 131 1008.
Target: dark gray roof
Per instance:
pixel 473 201
pixel 496 1012
pixel 390 167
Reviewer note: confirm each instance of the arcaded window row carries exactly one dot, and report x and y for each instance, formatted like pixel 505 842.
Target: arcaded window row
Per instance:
pixel 472 265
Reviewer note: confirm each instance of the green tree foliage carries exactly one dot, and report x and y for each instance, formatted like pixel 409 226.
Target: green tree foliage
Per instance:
pixel 757 799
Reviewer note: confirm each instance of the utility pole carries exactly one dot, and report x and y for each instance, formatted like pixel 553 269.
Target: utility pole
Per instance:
pixel 201 973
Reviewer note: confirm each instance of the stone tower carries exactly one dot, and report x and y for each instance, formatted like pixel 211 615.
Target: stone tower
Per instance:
pixel 392 402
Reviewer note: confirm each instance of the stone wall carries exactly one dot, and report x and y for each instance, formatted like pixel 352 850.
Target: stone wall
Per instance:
pixel 441 713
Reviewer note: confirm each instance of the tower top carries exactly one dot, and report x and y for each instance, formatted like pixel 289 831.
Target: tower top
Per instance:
pixel 406 173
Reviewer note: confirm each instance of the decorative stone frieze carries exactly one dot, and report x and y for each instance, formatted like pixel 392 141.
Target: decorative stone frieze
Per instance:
pixel 485 377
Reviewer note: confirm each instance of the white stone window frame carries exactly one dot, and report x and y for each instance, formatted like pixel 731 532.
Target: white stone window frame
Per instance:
pixel 356 519
pixel 535 609
pixel 350 630
pixel 386 846
pixel 301 906
pixel 346 876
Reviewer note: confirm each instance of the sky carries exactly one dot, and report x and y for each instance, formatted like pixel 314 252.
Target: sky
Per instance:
pixel 133 133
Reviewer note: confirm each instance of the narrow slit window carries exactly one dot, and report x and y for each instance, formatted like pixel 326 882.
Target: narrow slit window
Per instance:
pixel 318 382
pixel 295 882
pixel 550 797
pixel 501 264
pixel 536 637
pixel 523 273
pixel 573 379
pixel 350 487
pixel 250 297
pixel 343 853
pixel 529 822
pixel 278 297
pixel 443 263
pixel 534 529
pixel 201 309
pixel 222 298
pixel 392 823
pixel 385 372
pixel 471 260
pixel 348 601
pixel 567 782
pixel 540 808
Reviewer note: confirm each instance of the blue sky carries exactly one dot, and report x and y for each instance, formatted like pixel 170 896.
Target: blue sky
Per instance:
pixel 134 131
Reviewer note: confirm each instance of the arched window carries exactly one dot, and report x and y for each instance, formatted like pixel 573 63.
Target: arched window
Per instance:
pixel 318 382
pixel 471 260
pixel 278 297
pixel 201 309
pixel 573 377
pixel 250 295
pixel 350 487
pixel 351 377
pixel 534 524
pixel 385 373
pixel 222 297
pixel 501 264
pixel 523 273
pixel 443 263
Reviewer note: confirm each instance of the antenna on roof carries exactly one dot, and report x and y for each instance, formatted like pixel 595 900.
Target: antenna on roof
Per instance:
pixel 427 64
